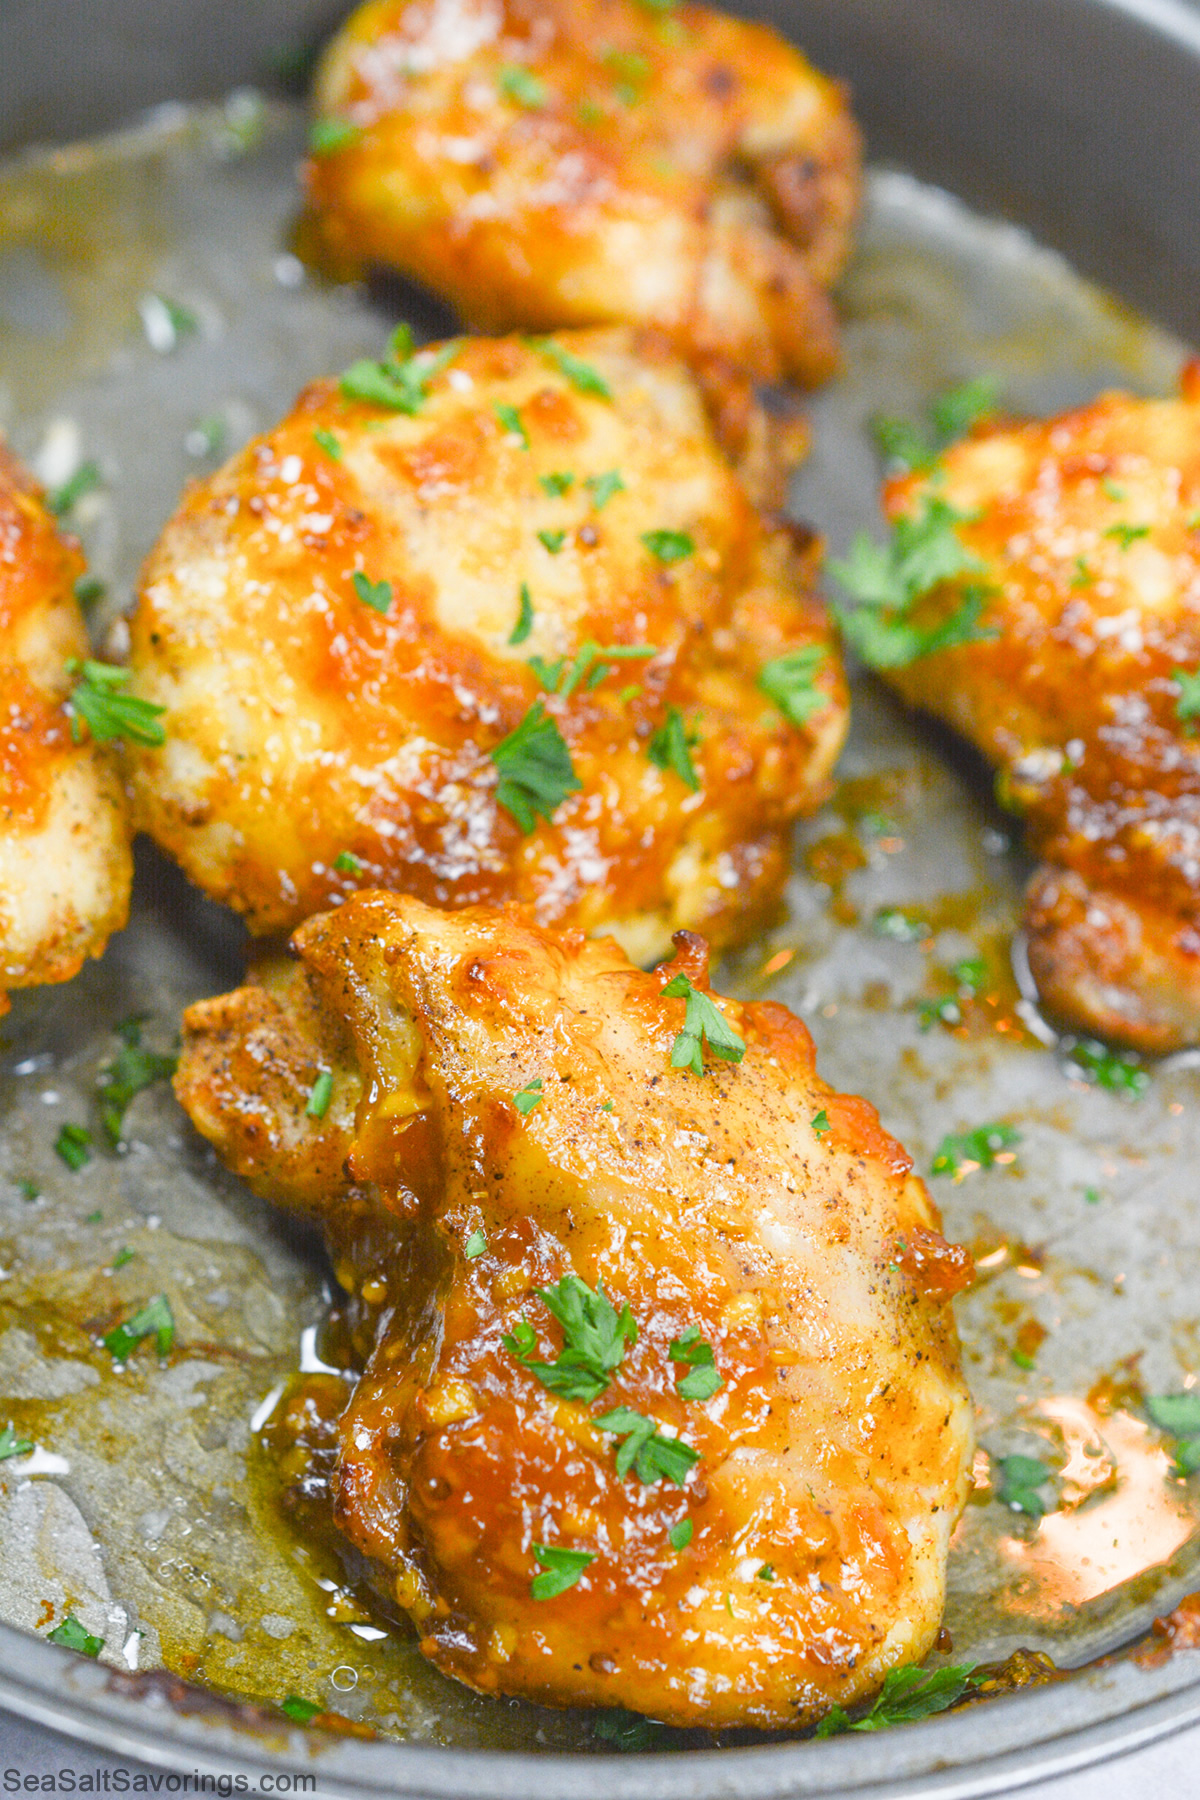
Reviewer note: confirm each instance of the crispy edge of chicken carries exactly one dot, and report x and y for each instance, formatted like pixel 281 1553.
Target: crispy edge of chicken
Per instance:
pixel 65 864
pixel 563 163
pixel 1085 527
pixel 319 741
pixel 750 1209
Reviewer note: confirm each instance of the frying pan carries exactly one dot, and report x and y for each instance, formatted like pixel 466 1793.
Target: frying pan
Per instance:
pixel 1079 119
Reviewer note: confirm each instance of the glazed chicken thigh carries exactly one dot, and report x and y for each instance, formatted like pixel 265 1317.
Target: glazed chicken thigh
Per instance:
pixel 662 1405
pixel 491 621
pixel 556 163
pixel 65 866
pixel 1082 540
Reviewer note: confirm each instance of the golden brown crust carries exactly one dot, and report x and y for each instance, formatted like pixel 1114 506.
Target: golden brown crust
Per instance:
pixel 304 727
pixel 560 163
pixel 65 866
pixel 1088 527
pixel 833 1458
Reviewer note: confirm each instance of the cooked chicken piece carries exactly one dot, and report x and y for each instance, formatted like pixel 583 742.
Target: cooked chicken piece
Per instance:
pixel 1082 535
pixel 503 644
pixel 551 163
pixel 662 1407
pixel 65 867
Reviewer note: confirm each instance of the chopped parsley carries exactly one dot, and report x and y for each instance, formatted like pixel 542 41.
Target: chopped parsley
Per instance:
pixel 680 1534
pixel 705 1027
pixel 528 1097
pixel 581 375
pixel 631 72
pixel 1188 704
pixel 887 580
pixel 669 546
pixel 346 863
pixel 548 673
pixel 593 662
pixel 510 418
pixel 562 1569
pixel 969 975
pixel 475 1245
pixel 951 416
pixel 536 771
pixel 1179 1415
pixel 29 1189
pixel 326 441
pixel 557 483
pixel 645 1450
pixel 980 1149
pixel 155 1320
pixel 1019 1479
pixel 906 1695
pixel 131 1070
pixel 1127 534
pixel 603 487
pixel 1083 577
pixel 122 1257
pixel 97 702
pixel 595 1338
pixel 64 498
pixel 522 87
pixel 702 1379
pixel 788 681
pixel 329 135
pixel 1092 1195
pixel 893 922
pixel 552 541
pixel 524 624
pixel 820 1122
pixel 1120 1071
pixel 12 1445
pixel 671 748
pixel 320 1094
pixel 73 1144
pixel 375 594
pixel 302 1711
pixel 400 382
pixel 71 1635
pixel 766 1573
pixel 88 589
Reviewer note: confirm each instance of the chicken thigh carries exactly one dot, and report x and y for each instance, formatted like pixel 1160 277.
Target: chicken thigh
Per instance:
pixel 554 163
pixel 65 867
pixel 491 621
pixel 662 1404
pixel 1072 614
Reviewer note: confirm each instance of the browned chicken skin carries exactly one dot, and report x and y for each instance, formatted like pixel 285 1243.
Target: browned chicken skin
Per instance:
pixel 347 623
pixel 504 1129
pixel 551 163
pixel 65 867
pixel 1087 530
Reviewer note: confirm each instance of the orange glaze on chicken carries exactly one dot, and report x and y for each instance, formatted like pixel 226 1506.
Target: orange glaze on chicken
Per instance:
pixel 553 163
pixel 749 1209
pixel 1088 530
pixel 319 741
pixel 65 866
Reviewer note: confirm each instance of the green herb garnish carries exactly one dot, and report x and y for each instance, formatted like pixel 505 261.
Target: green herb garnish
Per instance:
pixel 97 702
pixel 645 1450
pixel 705 1027
pixel 524 624
pixel 326 441
pixel 820 1123
pixel 522 87
pixel 12 1445
pixel 906 1695
pixel 702 1380
pixel 1127 534
pixel 73 1144
pixel 1120 1071
pixel 671 748
pixel 375 594
pixel 346 863
pixel 1188 704
pixel 562 1570
pixel 401 381
pixel 669 546
pixel 557 483
pixel 603 487
pixel 552 541
pixel 980 1148
pixel 131 1070
pixel 950 416
pixel 329 135
pixel 88 589
pixel 528 1097
pixel 301 1711
pixel 887 580
pixel 536 771
pixel 893 922
pixel 63 499
pixel 320 1094
pixel 510 418
pixel 788 681
pixel 71 1635
pixel 1019 1479
pixel 680 1534
pixel 122 1257
pixel 1179 1415
pixel 595 1338
pixel 155 1320
pixel 581 375
pixel 475 1245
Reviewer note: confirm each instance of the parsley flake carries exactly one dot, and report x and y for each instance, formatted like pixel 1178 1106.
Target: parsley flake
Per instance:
pixel 528 1097
pixel 475 1245
pixel 680 1534
pixel 1127 534
pixel 895 923
pixel 981 1149
pixel 12 1445
pixel 766 1573
pixel 581 375
pixel 1188 704
pixel 302 1711
pixel 1019 1479
pixel 510 418
pixel 329 135
pixel 603 487
pixel 375 594
pixel 562 1570
pixel 705 1027
pixel 645 1450
pixel 73 1144
pixel 524 624
pixel 326 441
pixel 536 771
pixel 71 1635
pixel 88 589
pixel 346 863
pixel 1179 1415
pixel 122 1257
pixel 552 541
pixel 97 702
pixel 669 546
pixel 557 483
pixel 906 1695
pixel 671 748
pixel 1083 577
pixel 131 1070
pixel 320 1094
pixel 64 498
pixel 702 1380
pixel 1120 1071
pixel 155 1320
pixel 592 662
pixel 595 1338
pixel 400 382
pixel 522 87
pixel 887 580
pixel 951 416
pixel 548 673
pixel 788 681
